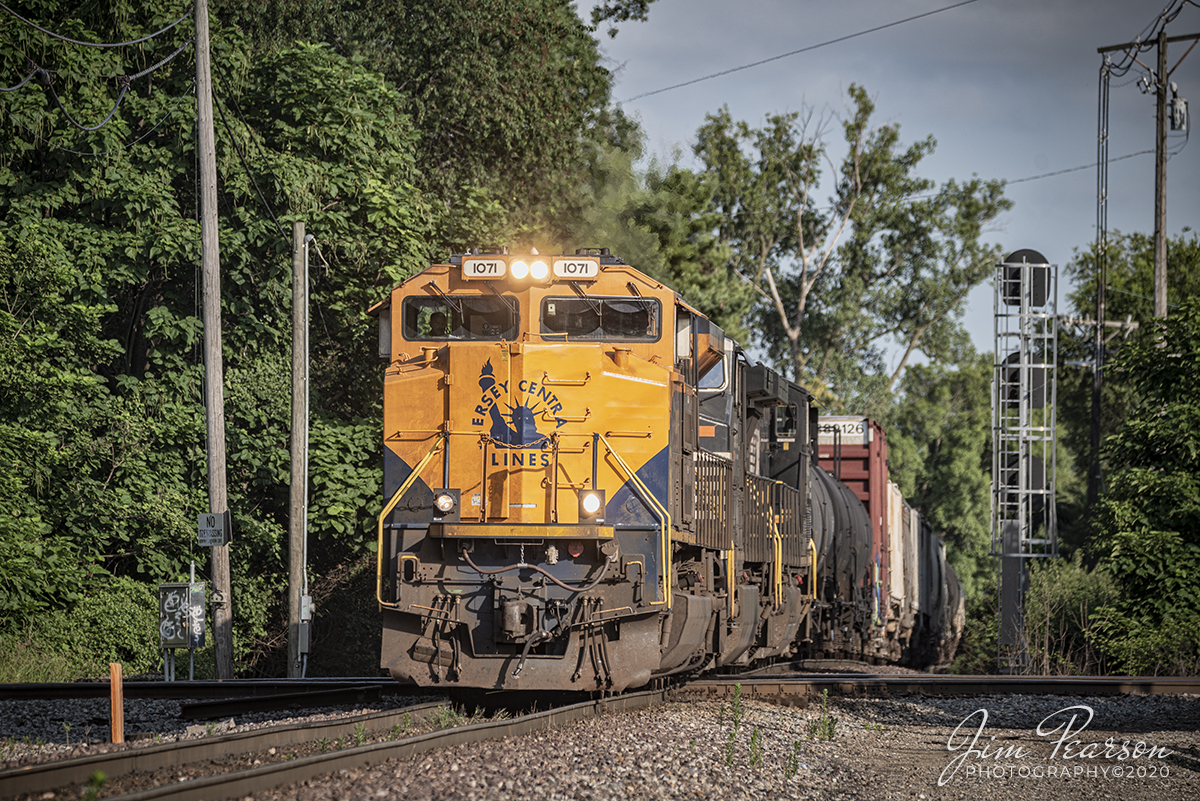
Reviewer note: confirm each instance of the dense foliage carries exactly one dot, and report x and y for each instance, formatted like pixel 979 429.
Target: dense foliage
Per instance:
pixel 506 97
pixel 103 422
pixel 1148 526
pixel 1129 298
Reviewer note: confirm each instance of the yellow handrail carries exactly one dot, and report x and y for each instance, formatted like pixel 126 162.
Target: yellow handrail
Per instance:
pixel 812 570
pixel 665 518
pixel 777 549
pixel 730 579
pixel 408 482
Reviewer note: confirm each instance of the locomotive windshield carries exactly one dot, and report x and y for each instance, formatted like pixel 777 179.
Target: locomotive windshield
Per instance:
pixel 602 318
pixel 479 317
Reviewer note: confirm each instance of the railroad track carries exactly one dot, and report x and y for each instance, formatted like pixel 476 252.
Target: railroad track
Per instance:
pixel 795 687
pixel 35 780
pixel 48 776
pixel 239 688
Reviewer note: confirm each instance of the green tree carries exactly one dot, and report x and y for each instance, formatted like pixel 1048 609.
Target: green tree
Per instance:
pixel 1064 603
pixel 661 221
pixel 1129 283
pixel 506 96
pixel 620 11
pixel 696 262
pixel 939 451
pixel 1129 297
pixel 43 339
pixel 891 258
pixel 1148 523
pixel 302 134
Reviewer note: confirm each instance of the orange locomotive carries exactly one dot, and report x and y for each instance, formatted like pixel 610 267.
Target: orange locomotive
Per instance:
pixel 572 481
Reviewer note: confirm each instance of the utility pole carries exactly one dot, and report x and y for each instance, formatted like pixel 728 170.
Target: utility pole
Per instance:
pixel 1160 180
pixel 298 517
pixel 1093 487
pixel 1161 84
pixel 214 388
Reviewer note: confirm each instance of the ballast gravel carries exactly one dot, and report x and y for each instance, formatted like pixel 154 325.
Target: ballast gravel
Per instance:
pixel 880 749
pixel 899 748
pixel 39 731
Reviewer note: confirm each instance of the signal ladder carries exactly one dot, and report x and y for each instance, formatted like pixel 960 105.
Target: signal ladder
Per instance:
pixel 1024 522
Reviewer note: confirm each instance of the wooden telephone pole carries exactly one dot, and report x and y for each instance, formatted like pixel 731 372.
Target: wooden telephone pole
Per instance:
pixel 1161 85
pixel 298 517
pixel 1160 179
pixel 214 387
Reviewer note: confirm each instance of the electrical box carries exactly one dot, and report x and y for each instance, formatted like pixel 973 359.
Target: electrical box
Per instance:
pixel 181 615
pixel 765 387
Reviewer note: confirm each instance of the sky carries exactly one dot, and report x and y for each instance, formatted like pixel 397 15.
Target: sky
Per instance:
pixel 1008 88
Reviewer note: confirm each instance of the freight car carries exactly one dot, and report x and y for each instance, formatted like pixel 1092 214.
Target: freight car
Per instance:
pixel 588 486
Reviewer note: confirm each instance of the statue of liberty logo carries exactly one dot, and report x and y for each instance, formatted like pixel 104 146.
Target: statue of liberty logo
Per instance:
pixel 516 427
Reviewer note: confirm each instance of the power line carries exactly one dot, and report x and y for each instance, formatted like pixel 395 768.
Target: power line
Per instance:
pixel 1076 169
pixel 266 161
pixel 795 52
pixel 237 109
pixel 245 166
pixel 146 38
pixel 1146 38
pixel 123 82
pixel 33 71
pixel 162 63
pixel 127 145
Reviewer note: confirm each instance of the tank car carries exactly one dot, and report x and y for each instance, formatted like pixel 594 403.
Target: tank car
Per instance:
pixel 589 486
pixel 916 608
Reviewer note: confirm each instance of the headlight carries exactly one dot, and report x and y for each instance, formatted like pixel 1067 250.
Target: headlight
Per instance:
pixel 519 269
pixel 444 502
pixel 591 507
pixel 539 270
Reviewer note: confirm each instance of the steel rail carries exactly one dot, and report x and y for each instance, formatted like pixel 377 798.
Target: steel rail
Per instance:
pixel 238 688
pixel 789 688
pixel 268 777
pixel 209 710
pixel 40 778
pixel 44 777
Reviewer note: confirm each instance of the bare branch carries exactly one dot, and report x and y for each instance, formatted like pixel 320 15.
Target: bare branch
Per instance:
pixel 917 334
pixel 793 332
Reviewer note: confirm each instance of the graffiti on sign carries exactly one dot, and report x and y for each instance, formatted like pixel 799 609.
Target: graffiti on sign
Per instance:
pixel 181 615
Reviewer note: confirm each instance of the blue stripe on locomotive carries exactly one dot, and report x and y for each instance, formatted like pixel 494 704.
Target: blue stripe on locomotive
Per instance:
pixel 417 505
pixel 626 507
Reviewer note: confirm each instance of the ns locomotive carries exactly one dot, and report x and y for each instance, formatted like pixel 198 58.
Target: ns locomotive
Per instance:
pixel 588 487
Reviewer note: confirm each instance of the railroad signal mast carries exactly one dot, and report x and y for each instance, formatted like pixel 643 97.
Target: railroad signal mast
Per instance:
pixel 1024 522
